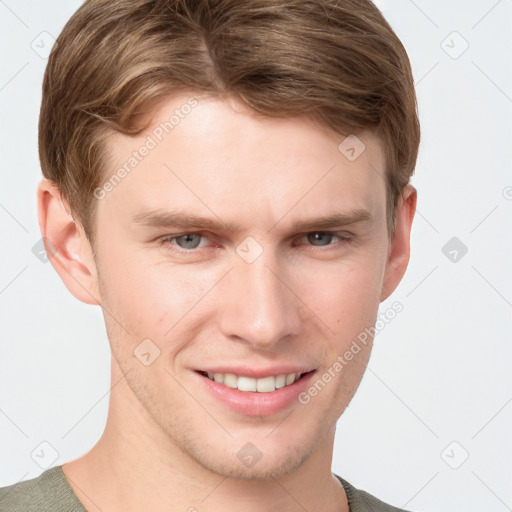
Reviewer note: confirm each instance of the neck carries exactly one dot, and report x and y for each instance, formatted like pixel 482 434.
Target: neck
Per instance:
pixel 136 466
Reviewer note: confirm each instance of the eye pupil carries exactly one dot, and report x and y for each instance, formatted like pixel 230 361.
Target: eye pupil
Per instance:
pixel 319 236
pixel 189 243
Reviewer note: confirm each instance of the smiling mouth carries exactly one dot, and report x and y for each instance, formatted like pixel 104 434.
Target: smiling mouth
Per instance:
pixel 250 384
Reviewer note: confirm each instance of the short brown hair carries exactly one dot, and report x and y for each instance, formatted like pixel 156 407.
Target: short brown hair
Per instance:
pixel 338 62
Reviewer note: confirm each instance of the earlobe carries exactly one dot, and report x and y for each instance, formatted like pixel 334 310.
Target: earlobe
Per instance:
pixel 399 249
pixel 66 245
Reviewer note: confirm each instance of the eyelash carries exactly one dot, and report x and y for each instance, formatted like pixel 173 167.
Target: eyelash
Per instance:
pixel 344 236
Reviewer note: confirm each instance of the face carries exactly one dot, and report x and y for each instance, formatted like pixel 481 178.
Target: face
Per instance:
pixel 241 246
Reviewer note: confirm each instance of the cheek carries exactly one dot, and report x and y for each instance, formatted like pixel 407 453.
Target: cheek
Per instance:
pixel 156 301
pixel 344 295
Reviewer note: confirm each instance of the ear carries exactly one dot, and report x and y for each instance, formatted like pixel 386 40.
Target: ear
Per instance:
pixel 399 248
pixel 66 245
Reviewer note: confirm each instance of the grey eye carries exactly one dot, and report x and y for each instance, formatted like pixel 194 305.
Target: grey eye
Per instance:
pixel 188 242
pixel 320 238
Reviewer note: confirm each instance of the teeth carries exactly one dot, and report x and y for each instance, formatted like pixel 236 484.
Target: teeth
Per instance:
pixel 246 384
pixel 290 379
pixel 280 381
pixel 266 384
pixel 230 380
pixel 263 385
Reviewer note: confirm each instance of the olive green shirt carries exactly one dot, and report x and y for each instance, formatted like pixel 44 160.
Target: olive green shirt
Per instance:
pixel 51 492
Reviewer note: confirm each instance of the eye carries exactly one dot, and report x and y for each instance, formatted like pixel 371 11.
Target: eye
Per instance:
pixel 186 242
pixel 326 238
pixel 189 242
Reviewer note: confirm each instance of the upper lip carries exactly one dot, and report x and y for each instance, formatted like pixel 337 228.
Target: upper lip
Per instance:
pixel 258 373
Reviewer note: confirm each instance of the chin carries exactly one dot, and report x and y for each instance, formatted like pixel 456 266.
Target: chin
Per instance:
pixel 276 465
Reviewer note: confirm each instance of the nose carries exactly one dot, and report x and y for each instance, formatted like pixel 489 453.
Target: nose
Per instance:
pixel 258 304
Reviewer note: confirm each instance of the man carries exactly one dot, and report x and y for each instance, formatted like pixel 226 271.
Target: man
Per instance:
pixel 229 182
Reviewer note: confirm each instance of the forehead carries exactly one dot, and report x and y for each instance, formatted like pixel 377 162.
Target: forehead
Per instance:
pixel 217 155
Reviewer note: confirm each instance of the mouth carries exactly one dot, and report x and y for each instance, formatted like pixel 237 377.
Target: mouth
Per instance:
pixel 257 393
pixel 267 384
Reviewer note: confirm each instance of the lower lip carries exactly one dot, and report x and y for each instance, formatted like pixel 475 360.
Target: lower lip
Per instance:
pixel 253 403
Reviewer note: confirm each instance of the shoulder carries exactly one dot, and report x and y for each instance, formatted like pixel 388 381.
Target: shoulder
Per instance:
pixel 27 496
pixel 49 492
pixel 362 501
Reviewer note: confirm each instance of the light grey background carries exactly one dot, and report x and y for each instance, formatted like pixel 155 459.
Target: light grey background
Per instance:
pixel 438 388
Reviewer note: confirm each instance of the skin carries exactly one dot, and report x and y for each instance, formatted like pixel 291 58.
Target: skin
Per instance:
pixel 167 444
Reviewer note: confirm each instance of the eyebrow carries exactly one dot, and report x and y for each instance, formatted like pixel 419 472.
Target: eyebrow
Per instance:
pixel 160 218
